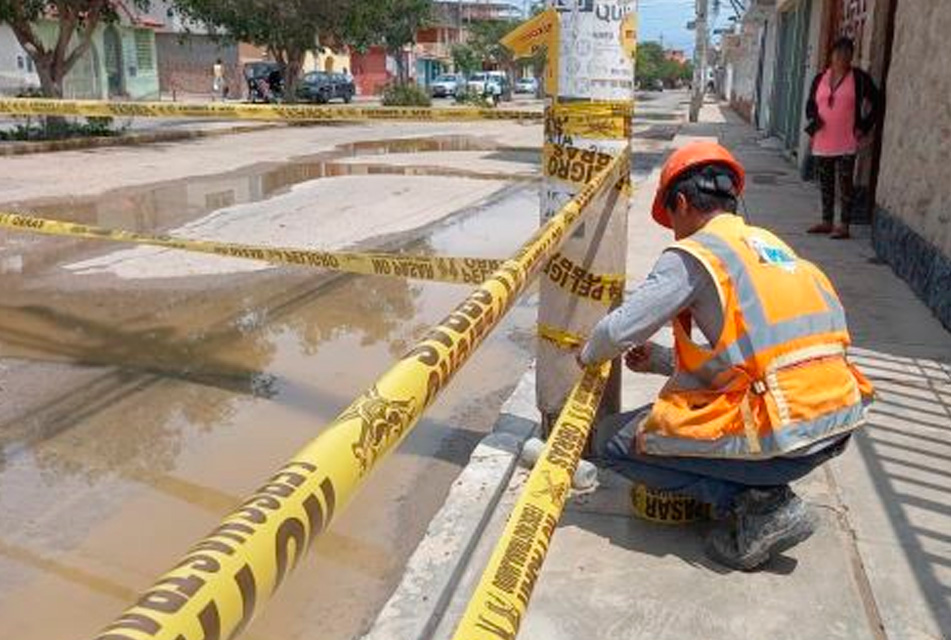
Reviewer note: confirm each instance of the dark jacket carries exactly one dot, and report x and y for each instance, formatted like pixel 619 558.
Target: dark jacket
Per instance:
pixel 868 103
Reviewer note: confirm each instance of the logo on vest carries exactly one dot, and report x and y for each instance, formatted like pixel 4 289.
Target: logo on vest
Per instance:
pixel 772 255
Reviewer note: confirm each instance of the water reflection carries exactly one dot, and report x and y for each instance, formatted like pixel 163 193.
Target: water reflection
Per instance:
pixel 195 390
pixel 167 205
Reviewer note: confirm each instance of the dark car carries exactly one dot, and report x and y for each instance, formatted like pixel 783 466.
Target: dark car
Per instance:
pixel 322 87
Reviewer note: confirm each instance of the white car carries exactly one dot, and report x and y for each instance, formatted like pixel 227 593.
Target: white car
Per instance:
pixel 444 86
pixel 527 85
pixel 485 84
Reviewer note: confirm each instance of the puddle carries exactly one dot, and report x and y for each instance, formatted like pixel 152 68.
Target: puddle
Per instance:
pixel 168 205
pixel 160 206
pixel 217 386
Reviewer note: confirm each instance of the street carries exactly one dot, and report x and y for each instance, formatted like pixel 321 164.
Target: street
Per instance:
pixel 143 391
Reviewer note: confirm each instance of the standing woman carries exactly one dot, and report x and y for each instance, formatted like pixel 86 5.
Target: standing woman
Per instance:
pixel 844 106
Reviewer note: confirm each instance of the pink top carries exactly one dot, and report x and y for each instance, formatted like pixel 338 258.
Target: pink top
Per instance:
pixel 837 135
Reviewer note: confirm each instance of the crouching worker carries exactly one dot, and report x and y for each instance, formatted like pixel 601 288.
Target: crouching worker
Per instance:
pixel 769 395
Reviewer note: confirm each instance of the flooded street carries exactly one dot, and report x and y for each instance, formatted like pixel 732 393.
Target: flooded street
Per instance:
pixel 146 391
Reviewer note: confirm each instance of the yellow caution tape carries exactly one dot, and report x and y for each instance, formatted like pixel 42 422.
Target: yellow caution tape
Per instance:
pixel 591 120
pixel 289 113
pixel 434 268
pixel 575 279
pixel 561 338
pixel 664 507
pixel 571 164
pixel 498 605
pixel 214 591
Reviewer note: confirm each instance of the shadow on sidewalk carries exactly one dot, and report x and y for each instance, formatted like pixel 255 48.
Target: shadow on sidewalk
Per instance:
pixel 897 489
pixel 906 448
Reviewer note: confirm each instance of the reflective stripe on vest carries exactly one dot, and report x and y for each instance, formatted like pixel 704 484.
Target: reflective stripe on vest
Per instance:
pixel 766 388
pixel 794 437
pixel 763 334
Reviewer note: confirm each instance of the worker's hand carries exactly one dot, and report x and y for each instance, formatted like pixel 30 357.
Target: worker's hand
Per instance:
pixel 578 359
pixel 638 359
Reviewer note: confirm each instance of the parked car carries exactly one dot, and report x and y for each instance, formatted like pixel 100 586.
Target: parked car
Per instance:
pixel 265 83
pixel 527 85
pixel 322 87
pixel 444 86
pixel 486 85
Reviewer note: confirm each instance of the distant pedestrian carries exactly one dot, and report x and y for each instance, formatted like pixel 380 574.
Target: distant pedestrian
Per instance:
pixel 219 88
pixel 843 108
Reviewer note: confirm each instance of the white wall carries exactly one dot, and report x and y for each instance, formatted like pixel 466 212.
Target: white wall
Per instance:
pixel 813 55
pixel 13 78
pixel 765 105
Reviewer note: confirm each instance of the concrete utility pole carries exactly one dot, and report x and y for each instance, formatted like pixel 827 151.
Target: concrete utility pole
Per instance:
pixel 593 68
pixel 701 60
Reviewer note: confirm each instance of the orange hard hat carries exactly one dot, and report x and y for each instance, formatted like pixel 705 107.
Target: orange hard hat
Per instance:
pixel 696 154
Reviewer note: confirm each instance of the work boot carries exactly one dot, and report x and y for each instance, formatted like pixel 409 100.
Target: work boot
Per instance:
pixel 765 523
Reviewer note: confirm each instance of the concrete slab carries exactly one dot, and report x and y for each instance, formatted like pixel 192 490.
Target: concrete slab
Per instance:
pixel 319 214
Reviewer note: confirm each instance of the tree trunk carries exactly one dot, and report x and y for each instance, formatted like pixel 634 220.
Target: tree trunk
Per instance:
pixel 51 83
pixel 539 64
pixel 402 77
pixel 294 62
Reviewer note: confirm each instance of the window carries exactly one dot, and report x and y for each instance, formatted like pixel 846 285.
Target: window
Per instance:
pixel 143 50
pixel 21 63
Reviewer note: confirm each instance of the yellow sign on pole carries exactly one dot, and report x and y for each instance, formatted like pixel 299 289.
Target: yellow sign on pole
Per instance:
pixel 544 30
pixel 629 34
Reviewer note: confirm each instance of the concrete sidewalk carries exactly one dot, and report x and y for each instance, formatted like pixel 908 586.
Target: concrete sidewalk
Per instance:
pixel 880 565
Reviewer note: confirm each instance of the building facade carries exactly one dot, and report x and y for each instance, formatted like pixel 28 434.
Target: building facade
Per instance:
pixel 912 226
pixel 902 176
pixel 17 73
pixel 121 62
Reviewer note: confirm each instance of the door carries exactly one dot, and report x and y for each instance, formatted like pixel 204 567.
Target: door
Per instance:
pixel 760 71
pixel 792 62
pixel 112 51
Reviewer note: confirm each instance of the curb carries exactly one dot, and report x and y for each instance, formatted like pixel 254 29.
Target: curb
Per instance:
pixel 433 572
pixel 133 139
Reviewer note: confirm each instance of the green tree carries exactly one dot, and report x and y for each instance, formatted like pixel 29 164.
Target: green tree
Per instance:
pixel 485 39
pixel 391 23
pixel 465 59
pixel 288 29
pixel 650 58
pixel 76 22
pixel 653 65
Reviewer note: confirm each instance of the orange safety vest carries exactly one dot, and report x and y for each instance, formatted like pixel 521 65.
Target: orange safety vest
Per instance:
pixel 778 378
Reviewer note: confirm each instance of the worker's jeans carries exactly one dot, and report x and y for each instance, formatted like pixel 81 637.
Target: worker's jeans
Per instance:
pixel 713 481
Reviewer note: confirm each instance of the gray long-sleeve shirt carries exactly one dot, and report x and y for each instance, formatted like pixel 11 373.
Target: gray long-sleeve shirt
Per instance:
pixel 677 282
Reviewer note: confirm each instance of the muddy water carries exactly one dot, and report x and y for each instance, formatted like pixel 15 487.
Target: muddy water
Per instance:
pixel 164 206
pixel 189 398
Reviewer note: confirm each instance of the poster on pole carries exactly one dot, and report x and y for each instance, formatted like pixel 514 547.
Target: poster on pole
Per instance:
pixel 595 63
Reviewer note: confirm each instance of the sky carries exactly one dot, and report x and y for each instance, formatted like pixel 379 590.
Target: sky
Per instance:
pixel 667 20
